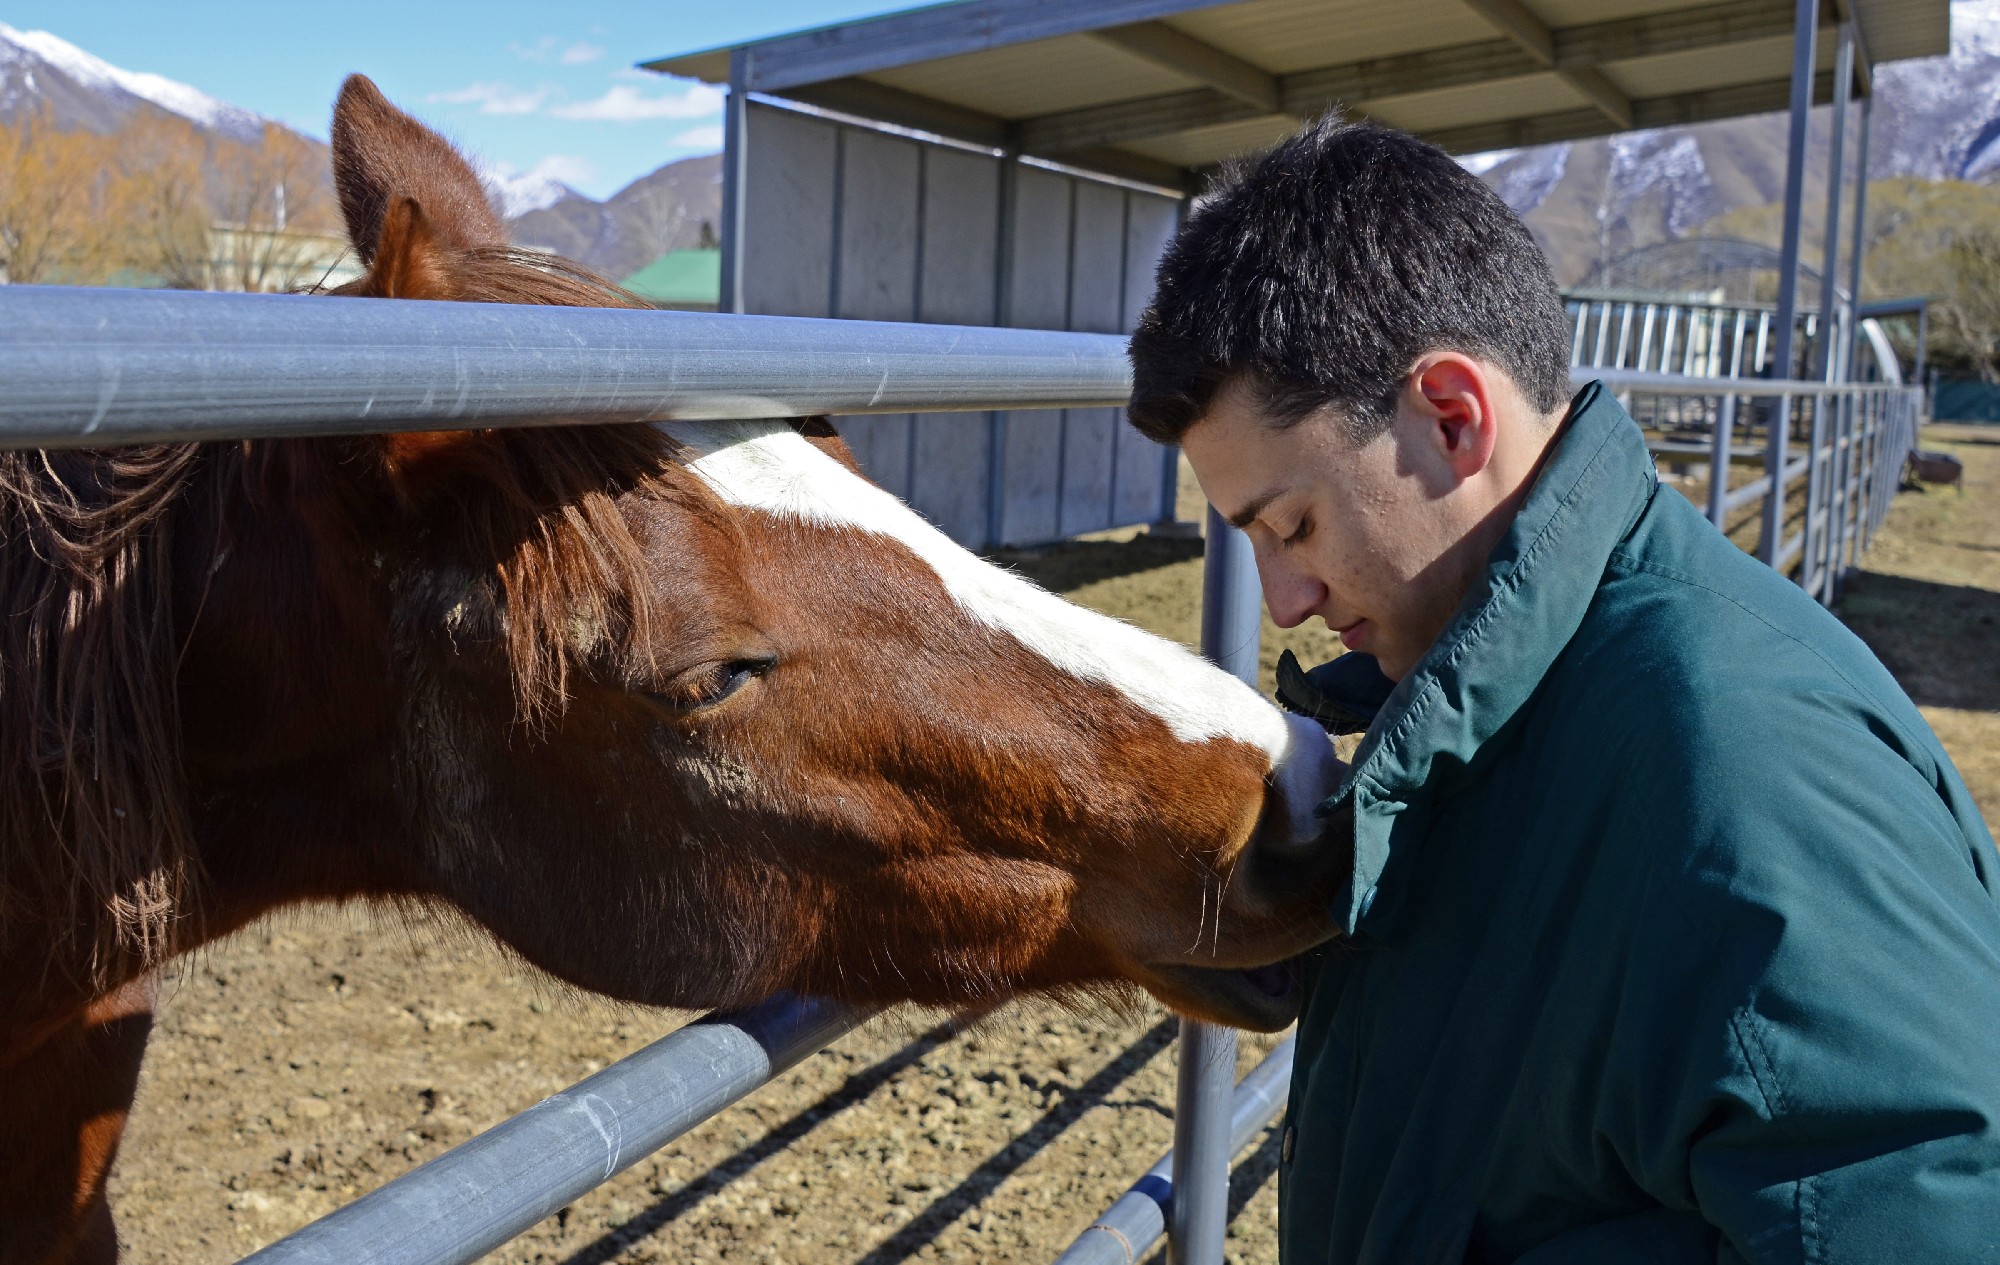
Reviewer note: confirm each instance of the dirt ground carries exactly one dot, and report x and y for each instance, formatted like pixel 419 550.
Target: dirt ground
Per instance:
pixel 313 1057
pixel 1927 601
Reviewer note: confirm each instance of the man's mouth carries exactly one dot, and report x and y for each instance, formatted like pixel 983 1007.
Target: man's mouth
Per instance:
pixel 1260 998
pixel 1348 632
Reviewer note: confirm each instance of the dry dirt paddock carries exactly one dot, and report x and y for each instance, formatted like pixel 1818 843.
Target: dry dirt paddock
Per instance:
pixel 315 1056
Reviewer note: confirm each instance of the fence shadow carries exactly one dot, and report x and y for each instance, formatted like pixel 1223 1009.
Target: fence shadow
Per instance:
pixel 607 1246
pixel 1069 566
pixel 1937 639
pixel 925 1227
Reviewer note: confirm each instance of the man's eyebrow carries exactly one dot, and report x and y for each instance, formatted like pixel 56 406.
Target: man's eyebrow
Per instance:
pixel 1248 514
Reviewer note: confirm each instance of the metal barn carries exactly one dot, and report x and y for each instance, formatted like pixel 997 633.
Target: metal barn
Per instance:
pixel 1021 162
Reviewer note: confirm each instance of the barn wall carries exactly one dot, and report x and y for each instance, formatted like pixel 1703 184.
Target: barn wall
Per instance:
pixel 843 220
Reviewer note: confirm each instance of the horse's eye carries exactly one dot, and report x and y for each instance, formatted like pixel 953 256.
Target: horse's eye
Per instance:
pixel 710 683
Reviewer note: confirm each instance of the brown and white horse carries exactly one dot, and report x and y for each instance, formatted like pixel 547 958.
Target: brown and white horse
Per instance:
pixel 682 714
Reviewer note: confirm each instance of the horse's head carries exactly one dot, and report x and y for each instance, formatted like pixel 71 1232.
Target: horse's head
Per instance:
pixel 693 712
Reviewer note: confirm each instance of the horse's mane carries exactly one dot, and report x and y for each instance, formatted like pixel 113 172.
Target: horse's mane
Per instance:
pixel 98 864
pixel 93 822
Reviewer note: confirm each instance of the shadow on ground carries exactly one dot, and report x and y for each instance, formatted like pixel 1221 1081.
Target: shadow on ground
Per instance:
pixel 1942 641
pixel 925 1227
pixel 1067 567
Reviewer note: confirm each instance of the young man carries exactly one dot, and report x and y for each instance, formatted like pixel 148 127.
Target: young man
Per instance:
pixel 1673 933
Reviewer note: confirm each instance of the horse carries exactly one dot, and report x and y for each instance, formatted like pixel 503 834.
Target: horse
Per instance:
pixel 764 723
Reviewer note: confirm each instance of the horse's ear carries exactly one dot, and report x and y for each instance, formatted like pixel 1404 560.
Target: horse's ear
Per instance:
pixel 410 261
pixel 381 154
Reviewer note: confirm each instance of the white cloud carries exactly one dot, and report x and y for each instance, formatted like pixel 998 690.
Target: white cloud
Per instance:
pixel 494 98
pixel 626 104
pixel 700 138
pixel 541 50
pixel 580 52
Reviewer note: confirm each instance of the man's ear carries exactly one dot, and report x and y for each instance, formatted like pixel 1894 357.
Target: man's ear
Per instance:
pixel 1453 393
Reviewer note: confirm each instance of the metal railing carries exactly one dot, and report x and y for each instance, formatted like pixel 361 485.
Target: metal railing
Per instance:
pixel 1689 337
pixel 85 368
pixel 1849 441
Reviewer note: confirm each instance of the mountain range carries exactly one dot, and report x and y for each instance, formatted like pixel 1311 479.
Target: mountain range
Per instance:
pixel 1588 201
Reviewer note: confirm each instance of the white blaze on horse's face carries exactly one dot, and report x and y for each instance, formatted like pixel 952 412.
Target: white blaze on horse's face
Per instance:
pixel 771 467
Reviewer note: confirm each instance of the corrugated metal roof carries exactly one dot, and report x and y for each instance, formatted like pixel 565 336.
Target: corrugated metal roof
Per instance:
pixel 1161 88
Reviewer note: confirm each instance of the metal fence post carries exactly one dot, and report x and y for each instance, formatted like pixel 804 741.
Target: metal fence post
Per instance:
pixel 1725 424
pixel 1816 488
pixel 1232 626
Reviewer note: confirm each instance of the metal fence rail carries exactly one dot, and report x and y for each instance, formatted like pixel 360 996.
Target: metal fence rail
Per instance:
pixel 1849 441
pixel 1132 1225
pixel 83 368
pixel 478 1195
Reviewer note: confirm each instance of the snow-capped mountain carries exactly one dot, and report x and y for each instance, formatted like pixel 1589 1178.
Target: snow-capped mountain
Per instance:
pixel 1593 201
pixel 518 193
pixel 83 91
pixel 665 210
pixel 662 211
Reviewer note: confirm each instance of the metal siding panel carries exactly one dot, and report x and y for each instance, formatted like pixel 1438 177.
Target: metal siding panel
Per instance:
pixel 948 473
pixel 952 452
pixel 876 277
pixel 1038 299
pixel 1096 295
pixel 788 263
pixel 961 237
pixel 1149 225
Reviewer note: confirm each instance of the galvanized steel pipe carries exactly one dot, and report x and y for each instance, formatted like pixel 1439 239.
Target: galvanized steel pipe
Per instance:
pixel 478 1195
pixel 1132 1225
pixel 93 368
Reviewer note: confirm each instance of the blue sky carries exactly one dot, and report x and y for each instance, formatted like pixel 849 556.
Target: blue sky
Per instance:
pixel 547 86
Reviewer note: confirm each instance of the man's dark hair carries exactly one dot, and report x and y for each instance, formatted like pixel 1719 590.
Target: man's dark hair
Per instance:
pixel 1321 271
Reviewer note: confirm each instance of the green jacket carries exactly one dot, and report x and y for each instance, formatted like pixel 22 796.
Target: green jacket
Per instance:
pixel 1673 931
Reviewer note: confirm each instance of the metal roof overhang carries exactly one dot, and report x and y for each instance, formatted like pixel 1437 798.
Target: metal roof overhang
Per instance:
pixel 1161 90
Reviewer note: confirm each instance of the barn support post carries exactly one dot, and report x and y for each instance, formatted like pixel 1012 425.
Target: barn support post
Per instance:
pixel 1805 29
pixel 1170 458
pixel 1232 626
pixel 1849 544
pixel 1003 316
pixel 1823 468
pixel 735 170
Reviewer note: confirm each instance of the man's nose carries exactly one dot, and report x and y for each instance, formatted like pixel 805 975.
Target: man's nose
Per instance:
pixel 1290 592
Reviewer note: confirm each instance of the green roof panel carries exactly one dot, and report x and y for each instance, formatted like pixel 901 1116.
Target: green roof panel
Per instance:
pixel 680 278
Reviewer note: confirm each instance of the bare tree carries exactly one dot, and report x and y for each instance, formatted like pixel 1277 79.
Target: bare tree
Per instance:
pixel 55 191
pixel 164 202
pixel 269 205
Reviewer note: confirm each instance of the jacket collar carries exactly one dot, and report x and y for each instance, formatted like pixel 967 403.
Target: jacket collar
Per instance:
pixel 1519 615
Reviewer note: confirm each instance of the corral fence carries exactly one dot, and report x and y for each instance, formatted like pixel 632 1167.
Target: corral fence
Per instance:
pixel 88 368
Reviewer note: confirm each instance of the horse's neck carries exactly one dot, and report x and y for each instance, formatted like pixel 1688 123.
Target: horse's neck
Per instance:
pixel 286 707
